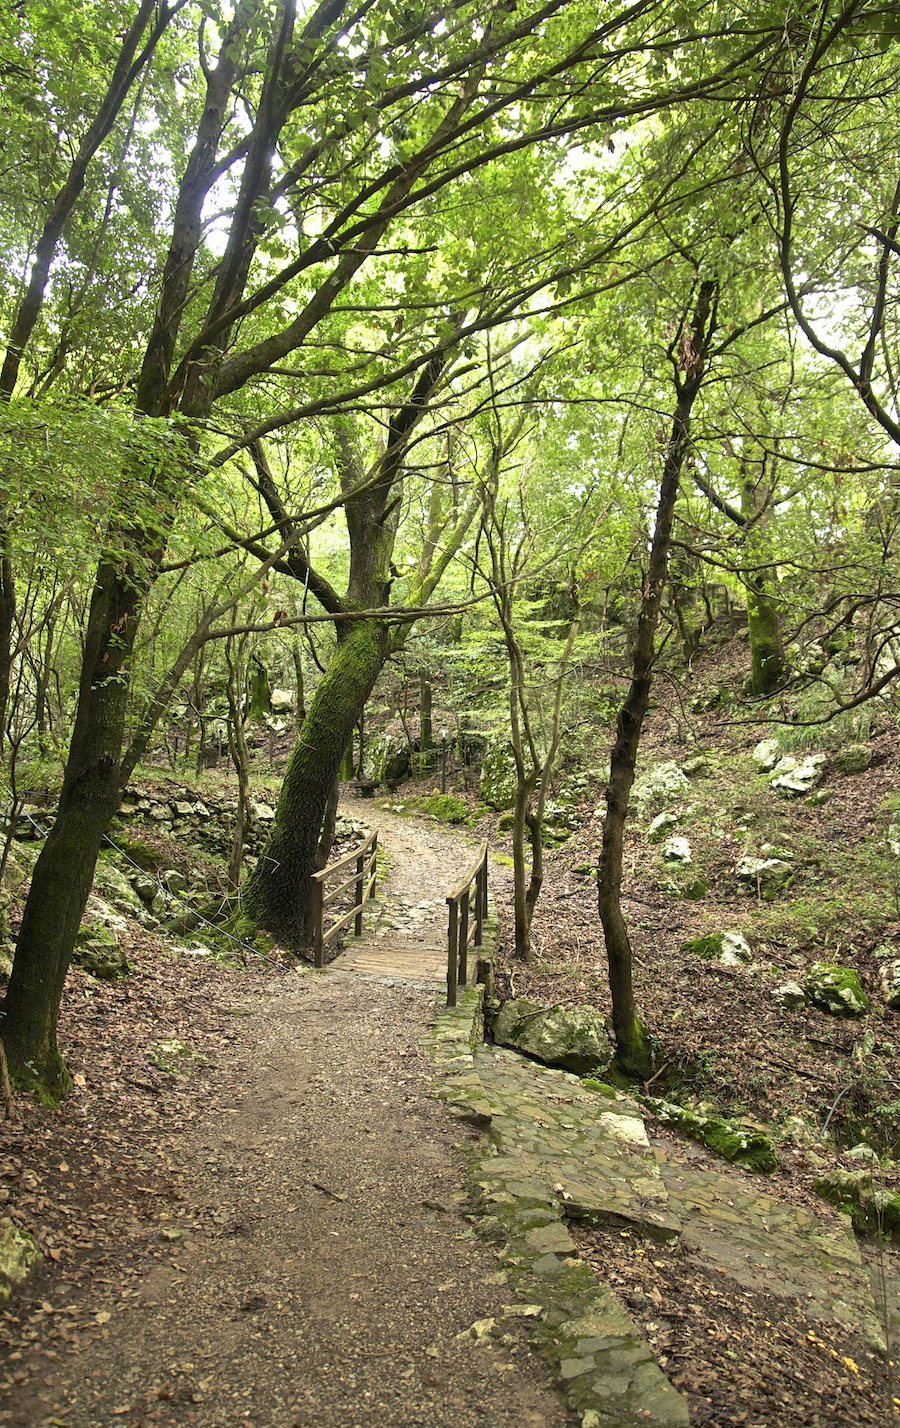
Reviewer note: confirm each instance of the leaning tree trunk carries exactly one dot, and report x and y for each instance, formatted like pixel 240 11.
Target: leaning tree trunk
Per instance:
pixel 632 1048
pixel 277 895
pixel 62 877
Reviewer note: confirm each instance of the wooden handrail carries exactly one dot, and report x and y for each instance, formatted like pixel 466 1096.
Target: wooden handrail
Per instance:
pixel 366 858
pixel 459 936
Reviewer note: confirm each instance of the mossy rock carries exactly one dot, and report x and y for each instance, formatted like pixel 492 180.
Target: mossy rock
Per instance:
pixel 144 855
pixel 729 948
pixel 733 1141
pixel 663 784
pixel 19 1259
pixel 661 826
pixel 872 1209
pixel 505 823
pixel 766 877
pixel 97 952
pixel 174 1056
pixel 853 758
pixel 498 779
pixel 695 887
pixel 836 990
pixel 574 1038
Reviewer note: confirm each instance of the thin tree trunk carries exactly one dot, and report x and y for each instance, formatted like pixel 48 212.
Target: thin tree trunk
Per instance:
pixel 632 1048
pixel 240 758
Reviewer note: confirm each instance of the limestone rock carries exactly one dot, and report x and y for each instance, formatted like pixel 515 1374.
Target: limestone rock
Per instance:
pixel 117 888
pixel 282 701
pixel 854 758
pixel 97 951
pixel 145 887
pixel 574 1038
pixel 19 1258
pixel 791 996
pixel 836 990
pixel 663 784
pixel 173 880
pixel 728 948
pixel 795 776
pixel 660 826
pixel 497 785
pixel 677 850
pixel 766 755
pixel 767 876
pixel 872 1209
pixel 863 1152
pixel 696 766
pixel 560 821
pixel 799 1132
pixel 890 982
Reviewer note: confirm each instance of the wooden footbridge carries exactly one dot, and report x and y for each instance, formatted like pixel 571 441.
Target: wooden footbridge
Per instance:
pixel 427 940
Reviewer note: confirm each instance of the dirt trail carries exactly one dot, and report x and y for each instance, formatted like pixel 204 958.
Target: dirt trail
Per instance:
pixel 317 1268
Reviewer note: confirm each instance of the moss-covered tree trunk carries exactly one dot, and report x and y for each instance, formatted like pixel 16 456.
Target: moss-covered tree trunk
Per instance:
pixel 768 665
pixel 92 785
pixel 277 893
pixel 63 874
pixel 632 1048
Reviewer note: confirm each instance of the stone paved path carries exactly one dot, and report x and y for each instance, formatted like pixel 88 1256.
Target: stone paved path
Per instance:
pixel 556 1153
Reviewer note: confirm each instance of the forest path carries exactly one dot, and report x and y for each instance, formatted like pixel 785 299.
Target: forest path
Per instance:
pixel 405 929
pixel 316 1267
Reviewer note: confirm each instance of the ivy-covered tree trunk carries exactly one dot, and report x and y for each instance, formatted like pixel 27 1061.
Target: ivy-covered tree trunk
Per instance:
pixel 277 893
pixel 632 1047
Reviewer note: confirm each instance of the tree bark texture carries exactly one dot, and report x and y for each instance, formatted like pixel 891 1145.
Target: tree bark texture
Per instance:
pixel 632 1048
pixel 62 877
pixel 277 893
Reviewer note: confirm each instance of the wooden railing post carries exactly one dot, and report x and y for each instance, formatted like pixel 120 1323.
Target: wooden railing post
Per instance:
pixel 318 933
pixel 464 938
pixel 452 950
pixel 358 893
pixel 480 901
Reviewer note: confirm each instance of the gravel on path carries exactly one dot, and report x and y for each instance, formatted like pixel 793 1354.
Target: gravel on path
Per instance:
pixel 317 1268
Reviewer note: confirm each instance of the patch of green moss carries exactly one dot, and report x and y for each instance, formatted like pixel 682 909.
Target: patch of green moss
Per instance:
pixel 735 1142
pixel 442 806
pixel 695 887
pixel 246 930
pixel 147 858
pixel 872 1209
pixel 602 1088
pixel 709 948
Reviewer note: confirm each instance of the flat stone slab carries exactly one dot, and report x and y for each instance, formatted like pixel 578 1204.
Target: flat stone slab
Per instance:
pixel 731 1224
pixel 590 1152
